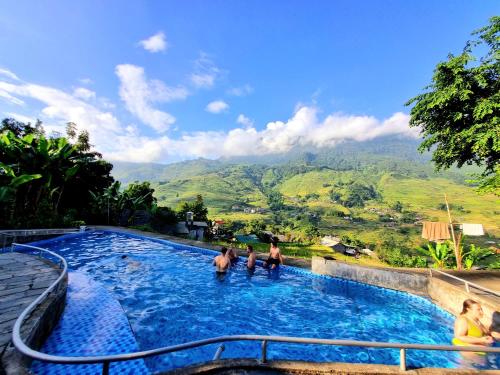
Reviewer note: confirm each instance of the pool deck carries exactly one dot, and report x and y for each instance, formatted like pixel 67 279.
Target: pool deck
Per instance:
pixel 22 279
pixel 486 279
pixel 254 367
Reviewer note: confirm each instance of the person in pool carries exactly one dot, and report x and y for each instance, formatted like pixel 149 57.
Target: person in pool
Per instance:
pixel 275 258
pixel 251 257
pixel 232 254
pixel 131 264
pixel 222 262
pixel 468 327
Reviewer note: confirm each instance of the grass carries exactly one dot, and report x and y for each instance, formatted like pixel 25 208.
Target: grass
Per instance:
pixel 305 251
pixel 421 195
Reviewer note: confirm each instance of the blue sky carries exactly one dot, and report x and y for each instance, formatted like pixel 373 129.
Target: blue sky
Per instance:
pixel 165 81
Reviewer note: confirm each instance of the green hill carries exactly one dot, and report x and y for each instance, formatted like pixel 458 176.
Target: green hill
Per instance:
pixel 321 184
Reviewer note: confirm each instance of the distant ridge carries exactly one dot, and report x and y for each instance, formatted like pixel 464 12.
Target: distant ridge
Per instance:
pixel 343 156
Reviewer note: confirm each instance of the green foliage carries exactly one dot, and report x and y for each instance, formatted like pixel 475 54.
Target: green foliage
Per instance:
pixel 399 254
pixel 142 192
pixel 197 207
pixel 335 196
pixel 495 265
pixel 275 200
pixel 357 194
pixel 351 241
pixel 21 129
pixel 459 115
pixel 255 227
pixel 397 206
pixel 52 177
pixel 439 252
pixel 163 216
pixel 473 255
pixel 111 205
pixel 408 217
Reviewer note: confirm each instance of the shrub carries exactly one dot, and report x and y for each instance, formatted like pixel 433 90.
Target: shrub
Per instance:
pixel 399 255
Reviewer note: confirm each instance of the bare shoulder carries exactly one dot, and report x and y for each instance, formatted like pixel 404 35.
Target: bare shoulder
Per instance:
pixel 461 321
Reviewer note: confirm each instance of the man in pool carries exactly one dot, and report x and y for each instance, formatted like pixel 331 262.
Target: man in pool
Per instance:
pixel 251 257
pixel 275 258
pixel 222 262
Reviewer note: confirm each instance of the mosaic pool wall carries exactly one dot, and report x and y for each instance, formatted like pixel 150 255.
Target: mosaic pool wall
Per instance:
pixel 93 323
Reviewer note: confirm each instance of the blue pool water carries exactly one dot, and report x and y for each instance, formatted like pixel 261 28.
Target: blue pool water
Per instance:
pixel 170 295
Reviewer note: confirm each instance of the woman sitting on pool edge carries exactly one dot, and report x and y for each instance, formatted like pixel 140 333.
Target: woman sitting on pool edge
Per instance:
pixel 469 330
pixel 275 258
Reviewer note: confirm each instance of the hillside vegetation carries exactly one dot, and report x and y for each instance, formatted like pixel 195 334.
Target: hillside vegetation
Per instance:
pixel 365 191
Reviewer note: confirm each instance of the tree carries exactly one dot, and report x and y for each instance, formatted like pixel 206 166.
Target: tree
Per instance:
pixel 57 177
pixel 197 207
pixel 255 227
pixel 21 129
pixel 275 200
pixel 141 190
pixel 459 114
pixel 397 206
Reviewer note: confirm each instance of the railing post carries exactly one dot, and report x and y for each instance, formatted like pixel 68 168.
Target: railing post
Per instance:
pixel 467 287
pixel 105 368
pixel 263 358
pixel 402 359
pixel 218 353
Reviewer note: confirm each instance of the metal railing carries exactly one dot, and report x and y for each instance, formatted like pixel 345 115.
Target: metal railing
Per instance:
pixel 467 284
pixel 106 360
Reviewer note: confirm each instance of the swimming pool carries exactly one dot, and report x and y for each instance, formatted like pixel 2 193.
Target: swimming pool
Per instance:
pixel 170 295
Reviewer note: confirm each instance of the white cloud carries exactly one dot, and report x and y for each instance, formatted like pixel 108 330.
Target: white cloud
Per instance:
pixel 21 118
pixel 139 95
pixel 244 120
pixel 7 73
pixel 241 91
pixel 217 106
pixel 83 93
pixel 155 43
pixel 85 81
pixel 205 72
pixel 118 142
pixel 61 107
pixel 9 98
pixel 304 128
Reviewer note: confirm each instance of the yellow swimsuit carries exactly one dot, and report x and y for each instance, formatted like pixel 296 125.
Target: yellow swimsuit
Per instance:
pixel 473 330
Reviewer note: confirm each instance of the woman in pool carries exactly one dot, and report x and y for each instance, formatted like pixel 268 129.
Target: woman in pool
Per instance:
pixel 468 327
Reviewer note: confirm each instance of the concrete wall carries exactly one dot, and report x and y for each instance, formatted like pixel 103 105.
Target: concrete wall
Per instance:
pixel 448 296
pixel 451 298
pixel 408 281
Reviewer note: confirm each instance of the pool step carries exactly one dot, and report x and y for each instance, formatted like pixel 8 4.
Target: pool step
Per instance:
pixel 93 323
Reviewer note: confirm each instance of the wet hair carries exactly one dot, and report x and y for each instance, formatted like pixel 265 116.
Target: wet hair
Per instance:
pixel 274 242
pixel 223 250
pixel 467 305
pixel 250 248
pixel 124 256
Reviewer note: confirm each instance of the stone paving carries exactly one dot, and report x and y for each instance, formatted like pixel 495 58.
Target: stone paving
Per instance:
pixel 22 279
